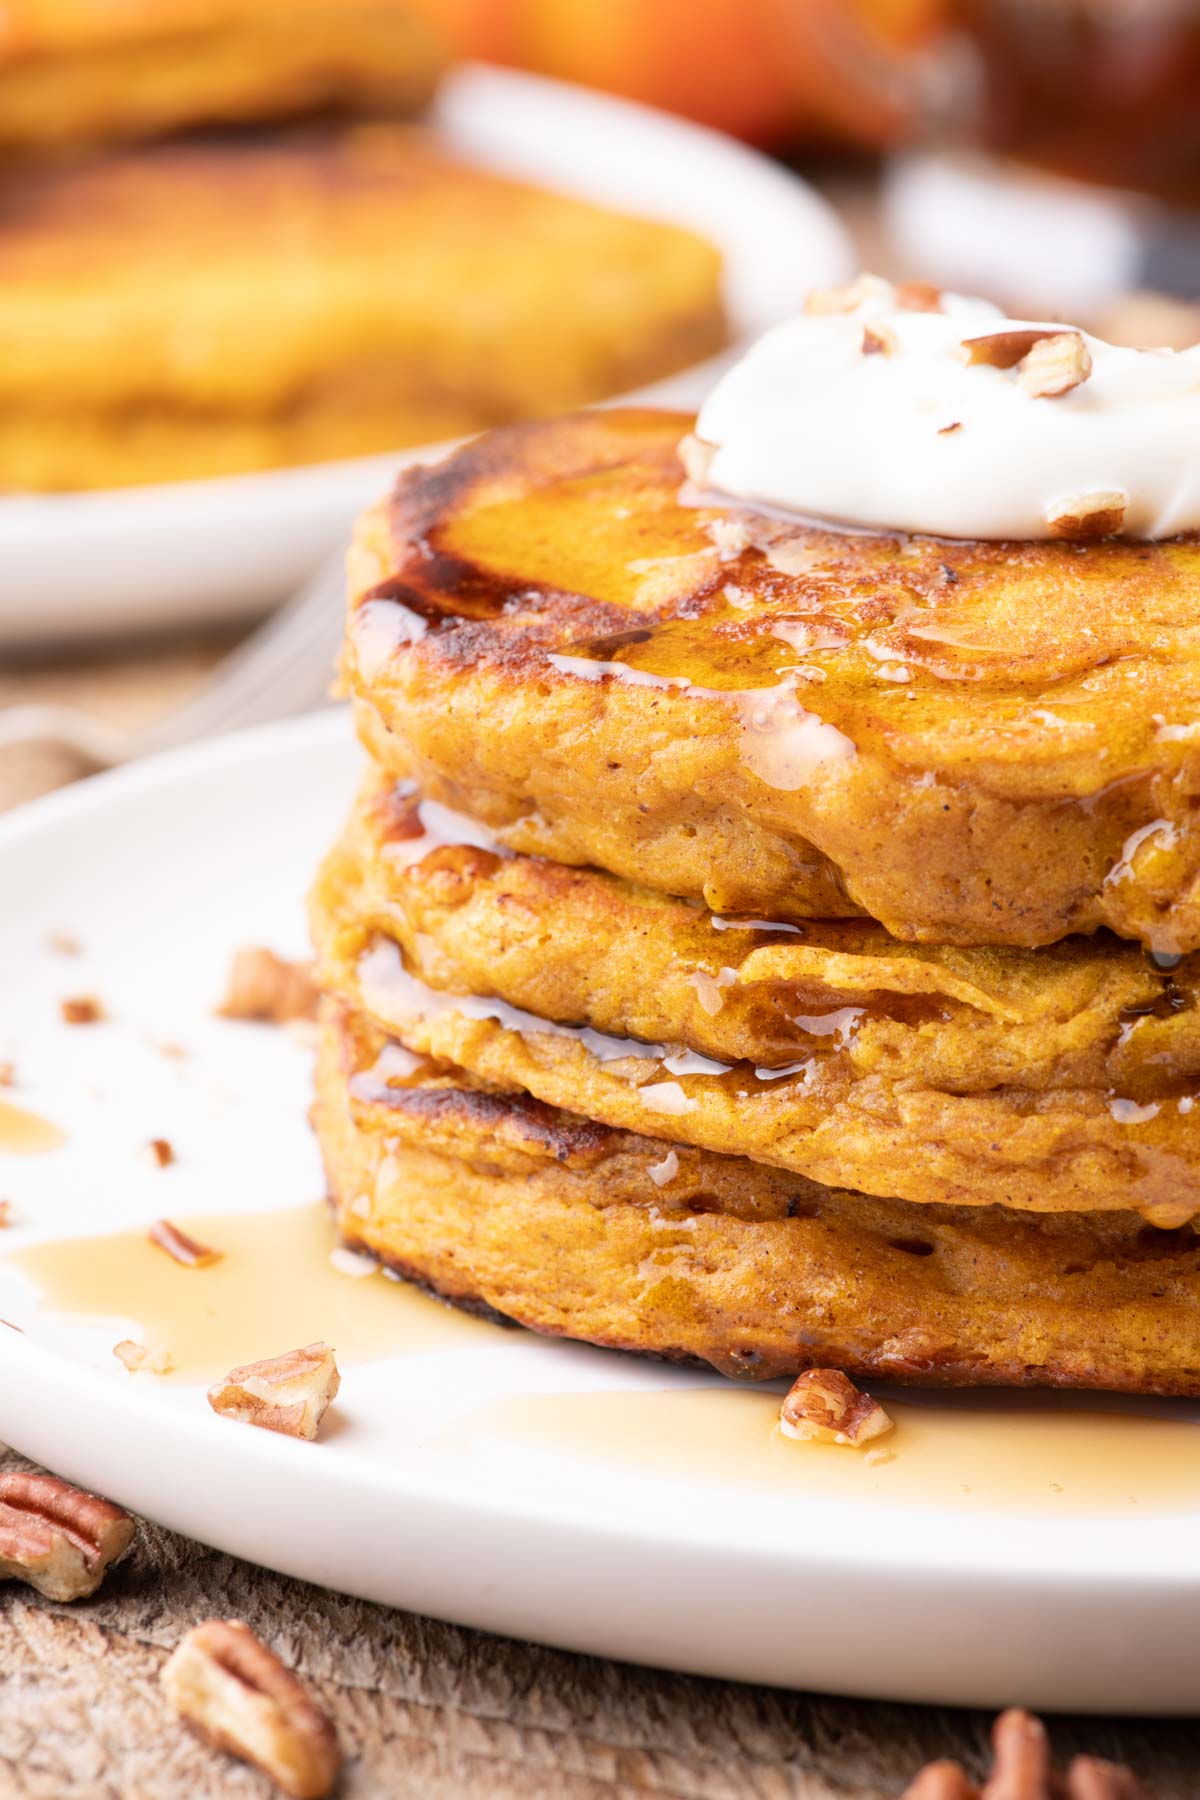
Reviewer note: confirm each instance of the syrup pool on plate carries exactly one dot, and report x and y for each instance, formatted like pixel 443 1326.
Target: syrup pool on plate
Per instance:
pixel 25 1133
pixel 274 1287
pixel 1042 1454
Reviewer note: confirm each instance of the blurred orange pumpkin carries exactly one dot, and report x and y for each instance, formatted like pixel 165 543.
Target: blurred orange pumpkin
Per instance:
pixel 760 69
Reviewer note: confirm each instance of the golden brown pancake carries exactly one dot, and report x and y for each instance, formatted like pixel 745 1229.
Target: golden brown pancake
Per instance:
pixel 91 71
pixel 572 1228
pixel 1054 1080
pixel 222 305
pixel 972 743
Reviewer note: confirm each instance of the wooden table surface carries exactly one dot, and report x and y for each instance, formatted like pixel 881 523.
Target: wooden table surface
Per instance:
pixel 430 1710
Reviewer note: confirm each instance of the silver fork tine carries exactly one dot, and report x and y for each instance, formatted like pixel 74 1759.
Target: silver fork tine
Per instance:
pixel 284 668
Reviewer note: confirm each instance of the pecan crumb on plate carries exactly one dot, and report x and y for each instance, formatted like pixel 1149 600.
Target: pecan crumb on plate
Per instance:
pixel 288 1393
pixel 81 1009
pixel 180 1247
pixel 825 1405
pixel 155 1359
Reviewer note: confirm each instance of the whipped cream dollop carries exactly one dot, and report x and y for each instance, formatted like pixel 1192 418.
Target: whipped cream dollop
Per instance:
pixel 902 409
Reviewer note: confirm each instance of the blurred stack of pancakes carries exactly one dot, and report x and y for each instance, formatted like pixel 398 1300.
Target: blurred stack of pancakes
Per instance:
pixel 762 944
pixel 223 249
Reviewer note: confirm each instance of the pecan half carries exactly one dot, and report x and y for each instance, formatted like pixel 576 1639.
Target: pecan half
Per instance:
pixel 237 1694
pixel 266 988
pixel 283 1393
pixel 56 1537
pixel 1022 1769
pixel 1055 365
pixel 1087 515
pixel 824 1404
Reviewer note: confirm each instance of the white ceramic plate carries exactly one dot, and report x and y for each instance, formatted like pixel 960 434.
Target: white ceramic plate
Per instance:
pixel 93 563
pixel 162 870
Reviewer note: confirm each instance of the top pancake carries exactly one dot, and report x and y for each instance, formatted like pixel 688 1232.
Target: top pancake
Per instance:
pixel 89 71
pixel 972 743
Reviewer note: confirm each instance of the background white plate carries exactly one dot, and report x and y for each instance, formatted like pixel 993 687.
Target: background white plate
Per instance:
pixel 162 870
pixel 189 552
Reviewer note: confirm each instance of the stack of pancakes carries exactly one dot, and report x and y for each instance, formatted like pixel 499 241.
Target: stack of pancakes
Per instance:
pixel 763 944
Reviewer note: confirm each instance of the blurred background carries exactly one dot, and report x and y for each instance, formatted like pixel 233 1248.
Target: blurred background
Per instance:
pixel 254 254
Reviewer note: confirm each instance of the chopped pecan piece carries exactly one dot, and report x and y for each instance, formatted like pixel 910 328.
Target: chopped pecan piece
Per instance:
pixel 1005 349
pixel 160 1152
pixel 180 1247
pixel 879 340
pixel 154 1358
pixel 850 295
pixel 1022 1769
pixel 1087 515
pixel 825 1404
pixel 918 296
pixel 5 1213
pixel 8 1074
pixel 81 1009
pixel 1055 365
pixel 56 1537
pixel 266 988
pixel 283 1393
pixel 238 1695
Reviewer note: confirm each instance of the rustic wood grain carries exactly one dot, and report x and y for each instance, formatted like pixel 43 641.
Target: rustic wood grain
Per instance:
pixel 430 1710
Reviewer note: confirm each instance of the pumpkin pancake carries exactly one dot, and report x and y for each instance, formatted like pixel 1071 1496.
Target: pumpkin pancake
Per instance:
pixel 78 72
pixel 973 743
pixel 1053 1080
pixel 236 303
pixel 497 1201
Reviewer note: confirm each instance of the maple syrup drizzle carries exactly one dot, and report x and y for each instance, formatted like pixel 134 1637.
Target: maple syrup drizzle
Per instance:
pixel 25 1133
